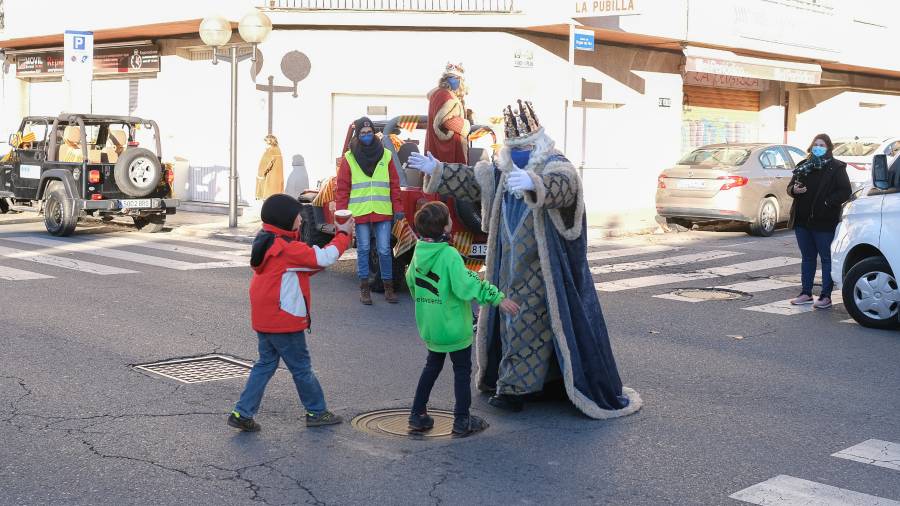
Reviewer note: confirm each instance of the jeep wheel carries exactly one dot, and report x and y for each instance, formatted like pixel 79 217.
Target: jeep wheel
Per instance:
pixel 309 227
pixel 59 213
pixel 871 294
pixel 150 224
pixel 4 206
pixel 137 172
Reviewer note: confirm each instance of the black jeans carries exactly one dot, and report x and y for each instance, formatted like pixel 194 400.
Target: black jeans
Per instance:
pixel 462 375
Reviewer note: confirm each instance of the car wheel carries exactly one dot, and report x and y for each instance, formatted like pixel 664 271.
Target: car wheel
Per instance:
pixel 137 172
pixel 4 206
pixel 469 213
pixel 871 294
pixel 766 218
pixel 150 224
pixel 309 227
pixel 59 213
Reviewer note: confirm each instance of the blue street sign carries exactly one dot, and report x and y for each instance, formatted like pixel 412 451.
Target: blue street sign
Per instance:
pixel 584 41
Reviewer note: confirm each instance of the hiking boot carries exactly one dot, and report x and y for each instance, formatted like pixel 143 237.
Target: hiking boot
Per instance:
pixel 325 418
pixel 242 422
pixel 822 303
pixel 389 294
pixel 465 425
pixel 420 423
pixel 802 300
pixel 365 294
pixel 507 402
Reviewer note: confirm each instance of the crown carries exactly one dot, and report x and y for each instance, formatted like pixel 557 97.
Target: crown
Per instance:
pixel 454 69
pixel 521 122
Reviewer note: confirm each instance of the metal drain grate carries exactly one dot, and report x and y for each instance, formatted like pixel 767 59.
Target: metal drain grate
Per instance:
pixel 394 423
pixel 710 294
pixel 199 369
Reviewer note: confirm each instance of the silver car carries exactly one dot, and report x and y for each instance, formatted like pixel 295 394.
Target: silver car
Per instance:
pixel 734 182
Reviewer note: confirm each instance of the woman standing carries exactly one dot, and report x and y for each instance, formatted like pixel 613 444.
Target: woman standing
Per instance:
pixel 820 187
pixel 368 185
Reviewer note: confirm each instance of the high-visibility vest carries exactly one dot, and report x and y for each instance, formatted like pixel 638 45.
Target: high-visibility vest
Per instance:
pixel 370 194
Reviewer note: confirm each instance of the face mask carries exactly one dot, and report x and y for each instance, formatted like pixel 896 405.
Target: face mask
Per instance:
pixel 366 138
pixel 520 157
pixel 453 82
pixel 819 151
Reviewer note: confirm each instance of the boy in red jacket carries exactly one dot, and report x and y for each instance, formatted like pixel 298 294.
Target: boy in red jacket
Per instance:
pixel 279 307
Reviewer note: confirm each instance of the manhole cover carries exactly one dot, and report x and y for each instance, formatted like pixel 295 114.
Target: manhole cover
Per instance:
pixel 795 279
pixel 709 294
pixel 199 369
pixel 394 423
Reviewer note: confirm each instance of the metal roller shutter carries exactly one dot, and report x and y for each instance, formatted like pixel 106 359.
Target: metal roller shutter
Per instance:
pixel 721 98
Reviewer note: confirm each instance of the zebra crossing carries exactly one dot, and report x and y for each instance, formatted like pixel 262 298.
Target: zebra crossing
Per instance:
pixel 789 490
pixel 33 257
pixel 768 277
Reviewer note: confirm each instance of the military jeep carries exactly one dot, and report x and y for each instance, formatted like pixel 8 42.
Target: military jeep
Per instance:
pixel 77 165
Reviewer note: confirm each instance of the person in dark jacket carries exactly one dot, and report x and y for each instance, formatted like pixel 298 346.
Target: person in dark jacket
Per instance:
pixel 820 187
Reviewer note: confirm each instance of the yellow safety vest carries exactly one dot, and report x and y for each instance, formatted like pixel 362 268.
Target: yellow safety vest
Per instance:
pixel 370 194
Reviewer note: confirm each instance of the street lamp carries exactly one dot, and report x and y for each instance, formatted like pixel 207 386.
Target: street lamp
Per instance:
pixel 215 31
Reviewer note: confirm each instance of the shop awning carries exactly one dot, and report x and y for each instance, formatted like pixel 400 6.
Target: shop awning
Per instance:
pixel 716 61
pixel 151 31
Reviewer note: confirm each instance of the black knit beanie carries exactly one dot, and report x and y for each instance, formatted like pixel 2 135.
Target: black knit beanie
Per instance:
pixel 362 123
pixel 280 210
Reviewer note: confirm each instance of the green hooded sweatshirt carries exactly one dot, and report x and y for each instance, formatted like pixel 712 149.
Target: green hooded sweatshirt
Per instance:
pixel 443 289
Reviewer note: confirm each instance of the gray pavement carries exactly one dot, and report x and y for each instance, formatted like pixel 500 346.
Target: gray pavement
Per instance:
pixel 721 414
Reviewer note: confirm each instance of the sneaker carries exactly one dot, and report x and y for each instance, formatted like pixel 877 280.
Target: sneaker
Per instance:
pixel 420 423
pixel 242 422
pixel 466 425
pixel 508 402
pixel 823 303
pixel 802 300
pixel 325 418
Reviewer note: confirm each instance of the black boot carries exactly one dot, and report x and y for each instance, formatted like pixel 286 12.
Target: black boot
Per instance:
pixel 507 402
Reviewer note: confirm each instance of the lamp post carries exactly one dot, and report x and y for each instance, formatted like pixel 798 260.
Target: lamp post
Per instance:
pixel 216 32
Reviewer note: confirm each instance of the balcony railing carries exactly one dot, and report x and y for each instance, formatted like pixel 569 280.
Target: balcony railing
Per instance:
pixel 444 6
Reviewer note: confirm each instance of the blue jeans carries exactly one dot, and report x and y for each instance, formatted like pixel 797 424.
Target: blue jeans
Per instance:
pixel 815 243
pixel 292 349
pixel 382 245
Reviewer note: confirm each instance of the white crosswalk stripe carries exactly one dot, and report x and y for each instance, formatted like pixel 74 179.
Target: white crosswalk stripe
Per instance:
pixel 663 262
pixel 62 262
pixel 784 307
pixel 875 452
pixel 100 247
pixel 11 274
pixel 788 490
pixel 626 252
pixel 709 273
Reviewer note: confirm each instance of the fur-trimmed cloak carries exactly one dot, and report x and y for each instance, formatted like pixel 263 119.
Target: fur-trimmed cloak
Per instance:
pixel 448 130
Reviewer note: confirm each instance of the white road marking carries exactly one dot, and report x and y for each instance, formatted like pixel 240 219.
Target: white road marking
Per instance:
pixel 98 249
pixel 850 321
pixel 62 262
pixel 758 285
pixel 784 307
pixel 664 262
pixel 875 452
pixel 162 246
pixel 787 490
pixel 10 274
pixel 713 272
pixel 627 252
pixel 679 298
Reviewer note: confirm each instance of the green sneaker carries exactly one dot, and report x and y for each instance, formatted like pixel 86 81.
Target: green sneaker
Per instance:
pixel 241 422
pixel 324 418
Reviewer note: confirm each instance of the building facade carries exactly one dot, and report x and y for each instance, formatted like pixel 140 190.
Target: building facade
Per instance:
pixel 663 77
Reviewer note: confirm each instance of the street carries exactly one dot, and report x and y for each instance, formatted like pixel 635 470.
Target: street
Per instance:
pixel 736 392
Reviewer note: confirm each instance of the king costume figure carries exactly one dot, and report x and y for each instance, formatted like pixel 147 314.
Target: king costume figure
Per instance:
pixel 532 203
pixel 448 129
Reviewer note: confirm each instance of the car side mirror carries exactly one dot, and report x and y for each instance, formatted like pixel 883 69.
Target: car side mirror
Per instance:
pixel 881 175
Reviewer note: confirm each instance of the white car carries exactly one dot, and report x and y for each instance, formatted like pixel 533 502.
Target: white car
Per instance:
pixel 865 254
pixel 857 153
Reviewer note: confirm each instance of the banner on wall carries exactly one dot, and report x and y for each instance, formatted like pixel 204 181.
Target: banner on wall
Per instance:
pixel 106 61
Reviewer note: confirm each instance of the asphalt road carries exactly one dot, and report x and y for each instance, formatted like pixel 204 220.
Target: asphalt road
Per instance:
pixel 722 413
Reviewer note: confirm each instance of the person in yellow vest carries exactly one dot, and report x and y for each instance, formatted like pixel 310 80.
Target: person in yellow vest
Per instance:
pixel 368 185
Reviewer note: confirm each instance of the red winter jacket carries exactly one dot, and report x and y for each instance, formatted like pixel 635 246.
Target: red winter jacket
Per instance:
pixel 342 193
pixel 279 291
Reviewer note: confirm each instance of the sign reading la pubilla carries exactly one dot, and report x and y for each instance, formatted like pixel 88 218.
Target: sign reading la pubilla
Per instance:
pixel 107 61
pixel 596 8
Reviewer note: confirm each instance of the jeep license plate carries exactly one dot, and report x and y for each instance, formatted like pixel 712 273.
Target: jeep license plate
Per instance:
pixel 135 203
pixel 478 250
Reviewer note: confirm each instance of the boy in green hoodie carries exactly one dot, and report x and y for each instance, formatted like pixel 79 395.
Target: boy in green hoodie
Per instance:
pixel 443 290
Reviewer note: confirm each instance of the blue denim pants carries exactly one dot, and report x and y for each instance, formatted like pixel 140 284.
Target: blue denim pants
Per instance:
pixel 292 349
pixel 815 243
pixel 382 245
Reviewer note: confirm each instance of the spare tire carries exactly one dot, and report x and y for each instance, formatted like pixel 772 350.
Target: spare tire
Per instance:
pixel 469 213
pixel 138 172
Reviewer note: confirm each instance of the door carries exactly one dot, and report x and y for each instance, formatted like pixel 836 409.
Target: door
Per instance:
pixel 779 168
pixel 31 154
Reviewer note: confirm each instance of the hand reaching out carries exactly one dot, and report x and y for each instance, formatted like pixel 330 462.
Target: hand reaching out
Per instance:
pixel 509 307
pixel 798 189
pixel 422 163
pixel 519 181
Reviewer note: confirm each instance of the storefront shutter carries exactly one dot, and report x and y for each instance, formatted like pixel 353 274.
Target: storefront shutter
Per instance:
pixel 721 98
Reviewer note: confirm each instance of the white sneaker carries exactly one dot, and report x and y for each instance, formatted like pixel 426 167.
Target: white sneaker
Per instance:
pixel 802 300
pixel 823 303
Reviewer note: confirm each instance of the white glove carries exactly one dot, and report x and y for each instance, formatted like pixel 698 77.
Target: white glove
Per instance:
pixel 422 163
pixel 519 181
